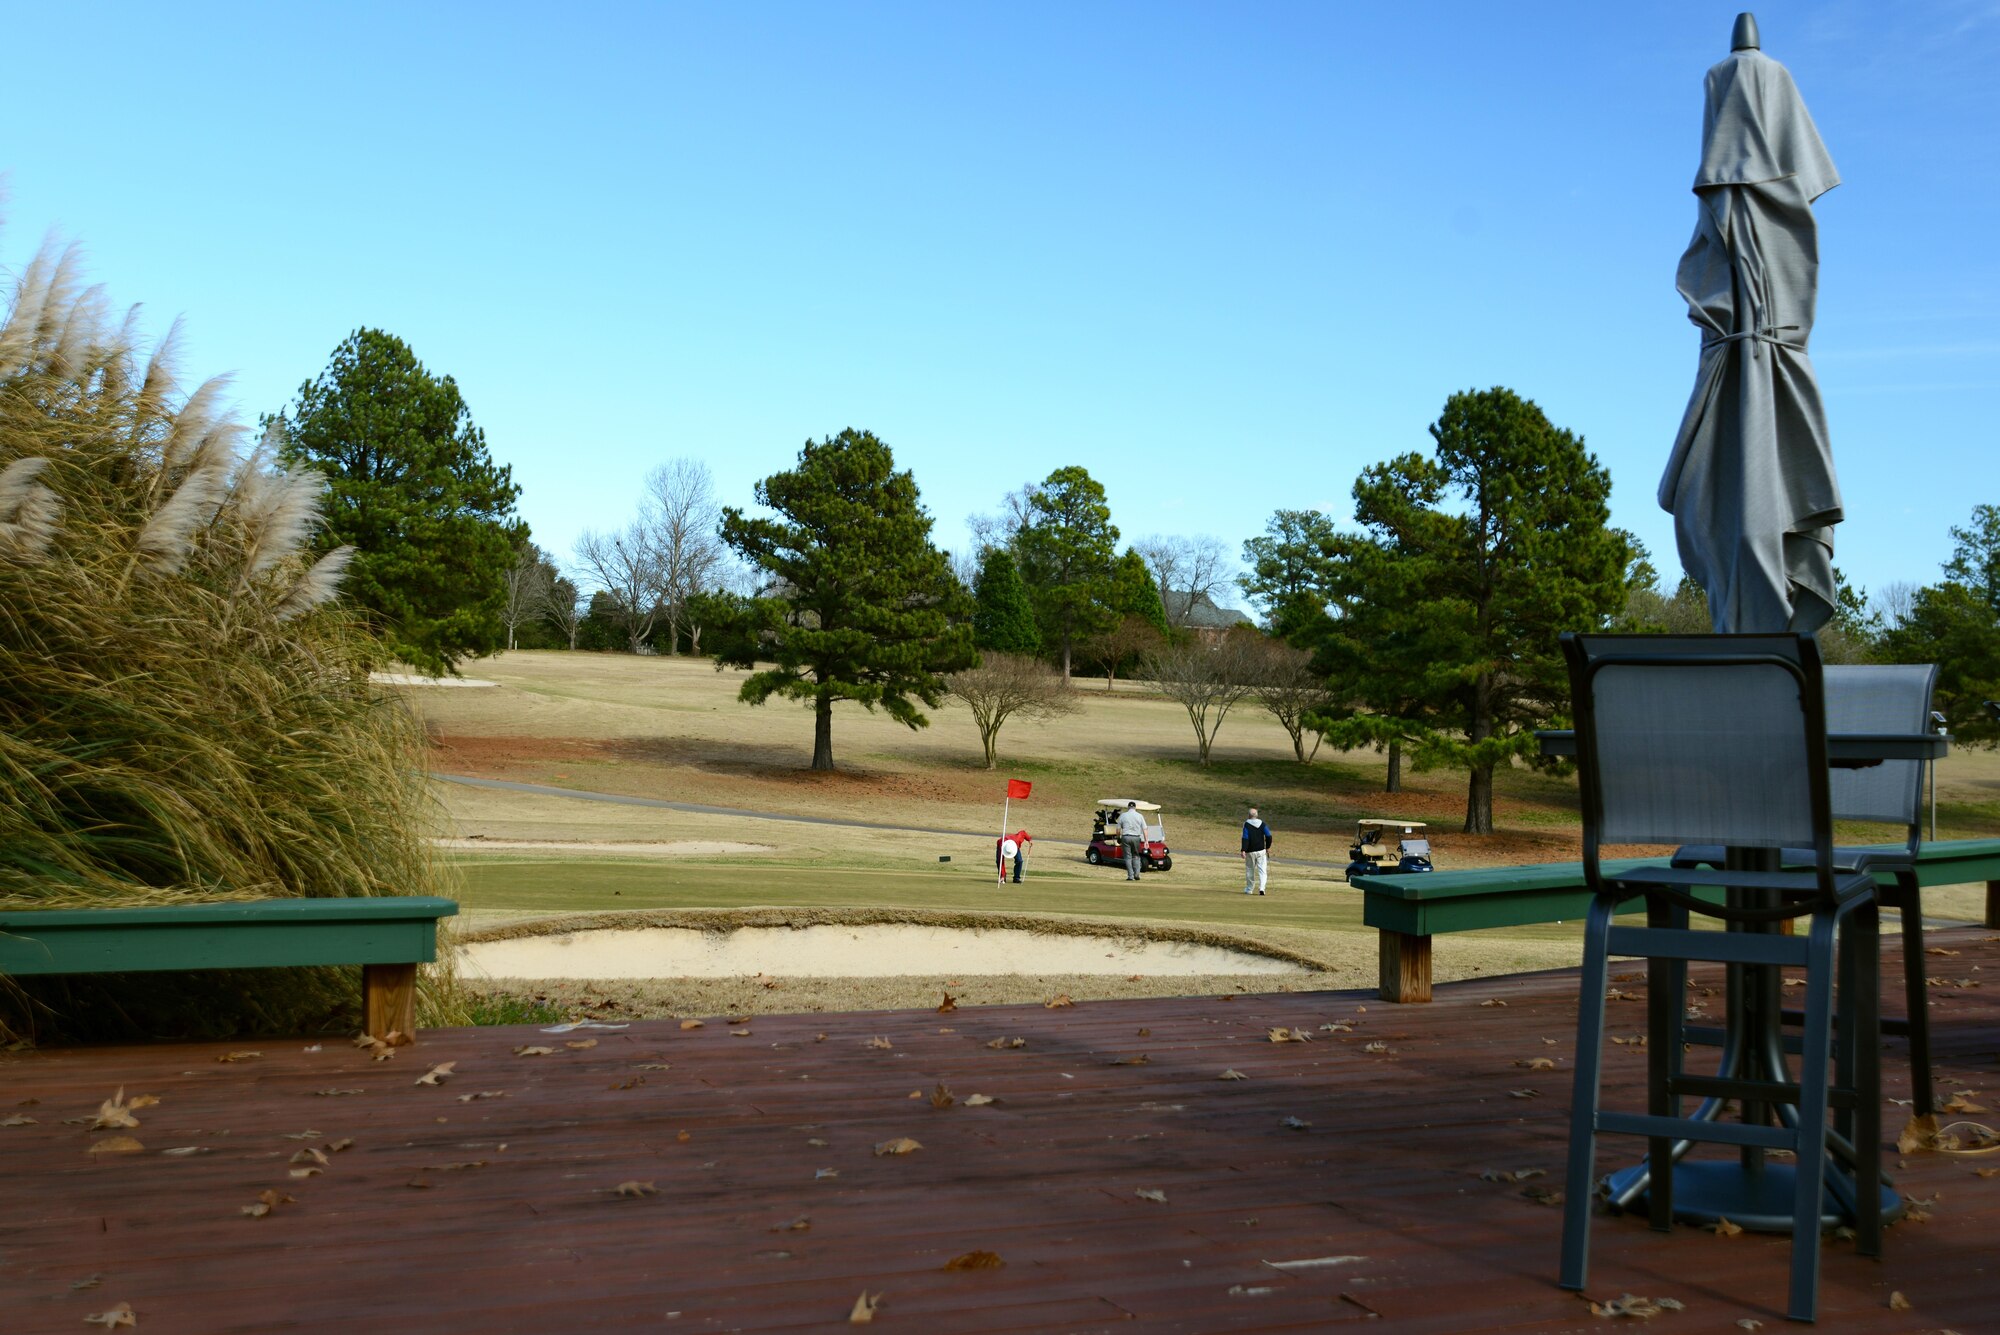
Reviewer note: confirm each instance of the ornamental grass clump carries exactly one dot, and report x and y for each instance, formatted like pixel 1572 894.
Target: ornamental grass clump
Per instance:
pixel 185 710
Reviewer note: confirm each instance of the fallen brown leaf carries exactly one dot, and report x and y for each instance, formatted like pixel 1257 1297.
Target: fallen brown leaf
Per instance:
pixel 1939 950
pixel 864 1308
pixel 942 1097
pixel 1145 1033
pixel 579 1044
pixel 1140 1059
pixel 1232 1074
pixel 739 1033
pixel 120 1316
pixel 1151 1194
pixel 879 1041
pixel 336 1146
pixel 691 1024
pixel 436 1074
pixel 310 1155
pixel 115 1112
pixel 948 1005
pixel 267 1201
pixel 337 1093
pixel 635 1189
pixel 1377 1046
pixel 115 1145
pixel 798 1225
pixel 978 1100
pixel 900 1145
pixel 1294 1124
pixel 238 1056
pixel 1919 1133
pixel 306 1172
pixel 1525 1093
pixel 1284 1035
pixel 1537 1063
pixel 1514 1175
pixel 492 1094
pixel 1492 1001
pixel 683 1137
pixel 533 1050
pixel 87 1282
pixel 1725 1229
pixel 999 1043
pixel 975 1261
pixel 1897 1302
pixel 1057 1002
pixel 18 1120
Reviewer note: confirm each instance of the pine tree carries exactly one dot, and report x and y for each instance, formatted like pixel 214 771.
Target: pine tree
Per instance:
pixel 1470 566
pixel 1066 550
pixel 1133 591
pixel 1002 617
pixel 867 609
pixel 413 490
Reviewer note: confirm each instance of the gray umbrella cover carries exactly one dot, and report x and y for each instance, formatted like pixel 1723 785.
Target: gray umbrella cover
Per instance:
pixel 1750 482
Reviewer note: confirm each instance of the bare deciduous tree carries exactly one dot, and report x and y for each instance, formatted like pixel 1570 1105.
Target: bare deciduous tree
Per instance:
pixel 1187 569
pixel 566 607
pixel 1004 685
pixel 529 582
pixel 1131 638
pixel 1292 691
pixel 680 515
pixel 1893 603
pixel 1000 530
pixel 626 565
pixel 1206 679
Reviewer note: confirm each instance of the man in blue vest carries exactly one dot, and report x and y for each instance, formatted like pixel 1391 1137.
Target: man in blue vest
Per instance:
pixel 1256 852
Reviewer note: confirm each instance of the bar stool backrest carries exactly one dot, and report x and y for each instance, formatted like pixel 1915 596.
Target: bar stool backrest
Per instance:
pixel 1880 697
pixel 1701 739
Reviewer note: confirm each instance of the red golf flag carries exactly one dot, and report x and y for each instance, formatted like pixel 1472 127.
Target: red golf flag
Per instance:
pixel 1018 787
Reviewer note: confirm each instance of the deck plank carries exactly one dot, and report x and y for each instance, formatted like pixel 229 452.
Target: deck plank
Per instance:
pixel 1387 1172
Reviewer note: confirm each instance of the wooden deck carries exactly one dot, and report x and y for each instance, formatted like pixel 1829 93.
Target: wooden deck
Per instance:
pixel 458 1213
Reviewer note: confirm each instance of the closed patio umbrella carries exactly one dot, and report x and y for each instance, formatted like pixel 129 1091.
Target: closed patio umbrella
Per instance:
pixel 1750 481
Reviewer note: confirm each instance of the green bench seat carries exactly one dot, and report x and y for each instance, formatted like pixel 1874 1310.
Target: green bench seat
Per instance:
pixel 1409 910
pixel 388 936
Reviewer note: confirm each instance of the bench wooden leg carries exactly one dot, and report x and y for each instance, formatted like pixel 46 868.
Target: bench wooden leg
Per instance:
pixel 389 999
pixel 1406 967
pixel 1993 903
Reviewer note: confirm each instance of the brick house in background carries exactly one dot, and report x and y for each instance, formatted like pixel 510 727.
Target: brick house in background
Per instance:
pixel 1200 614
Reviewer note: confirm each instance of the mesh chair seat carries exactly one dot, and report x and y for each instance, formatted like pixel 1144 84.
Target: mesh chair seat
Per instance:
pixel 1878 698
pixel 1720 742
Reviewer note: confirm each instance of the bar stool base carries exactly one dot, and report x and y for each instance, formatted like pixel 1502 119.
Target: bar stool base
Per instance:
pixel 1709 1190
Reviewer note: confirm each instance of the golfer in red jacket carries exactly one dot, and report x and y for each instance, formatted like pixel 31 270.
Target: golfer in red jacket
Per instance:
pixel 1021 840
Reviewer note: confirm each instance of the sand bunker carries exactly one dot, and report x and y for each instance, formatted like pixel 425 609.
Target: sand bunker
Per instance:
pixel 848 951
pixel 412 679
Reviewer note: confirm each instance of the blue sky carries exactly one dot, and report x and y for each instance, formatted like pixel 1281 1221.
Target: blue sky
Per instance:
pixel 1222 255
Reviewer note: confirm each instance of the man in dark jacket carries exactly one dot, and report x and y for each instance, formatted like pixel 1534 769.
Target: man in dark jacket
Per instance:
pixel 1256 852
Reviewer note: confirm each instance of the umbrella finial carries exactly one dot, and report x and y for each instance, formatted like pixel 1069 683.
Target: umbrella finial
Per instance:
pixel 1744 38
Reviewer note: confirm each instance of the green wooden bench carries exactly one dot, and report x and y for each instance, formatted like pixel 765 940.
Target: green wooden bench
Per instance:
pixel 387 936
pixel 1409 910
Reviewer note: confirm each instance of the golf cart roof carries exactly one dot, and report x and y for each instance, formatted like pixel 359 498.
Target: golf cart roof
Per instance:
pixel 1122 802
pixel 1385 822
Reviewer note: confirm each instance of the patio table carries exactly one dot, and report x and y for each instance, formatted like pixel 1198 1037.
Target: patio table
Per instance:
pixel 1750 1191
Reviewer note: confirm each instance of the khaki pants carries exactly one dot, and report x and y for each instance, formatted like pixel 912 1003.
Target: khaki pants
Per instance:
pixel 1254 870
pixel 1135 858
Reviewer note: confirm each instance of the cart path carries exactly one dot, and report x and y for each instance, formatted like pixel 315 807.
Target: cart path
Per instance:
pixel 699 809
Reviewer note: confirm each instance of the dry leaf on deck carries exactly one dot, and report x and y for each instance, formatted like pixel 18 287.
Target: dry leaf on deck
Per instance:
pixel 1525 1093
pixel 734 1033
pixel 268 1201
pixel 1897 1302
pixel 306 1172
pixel 87 1282
pixel 1939 950
pixel 183 1151
pixel 1543 1195
pixel 1232 1074
pixel 114 1113
pixel 489 1094
pixel 238 1056
pixel 1057 1002
pixel 900 1145
pixel 1151 1194
pixel 1295 1124
pixel 1616 994
pixel 1725 1229
pixel 1919 1133
pixel 683 1137
pixel 1492 1001
pixel 1636 1041
pixel 942 1097
pixel 304 1135
pixel 115 1145
pixel 436 1074
pixel 1537 1063
pixel 579 1044
pixel 454 1167
pixel 864 1308
pixel 18 1120
pixel 1284 1035
pixel 879 1041
pixel 635 1189
pixel 336 1146
pixel 120 1316
pixel 978 1100
pixel 690 1024
pixel 1513 1175
pixel 948 1005
pixel 310 1155
pixel 1629 1305
pixel 975 1261
pixel 798 1225
pixel 1145 1033
pixel 1377 1046
pixel 821 1174
pixel 337 1093
pixel 1960 1104
pixel 1139 1060
pixel 533 1050
pixel 1000 1043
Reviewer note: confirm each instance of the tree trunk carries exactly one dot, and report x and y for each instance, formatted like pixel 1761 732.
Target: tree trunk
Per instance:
pixel 1479 801
pixel 1395 783
pixel 990 740
pixel 510 637
pixel 823 732
pixel 694 640
pixel 1065 660
pixel 1299 742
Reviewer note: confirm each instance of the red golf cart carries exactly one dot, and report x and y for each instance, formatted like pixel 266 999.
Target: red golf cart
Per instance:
pixel 1104 848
